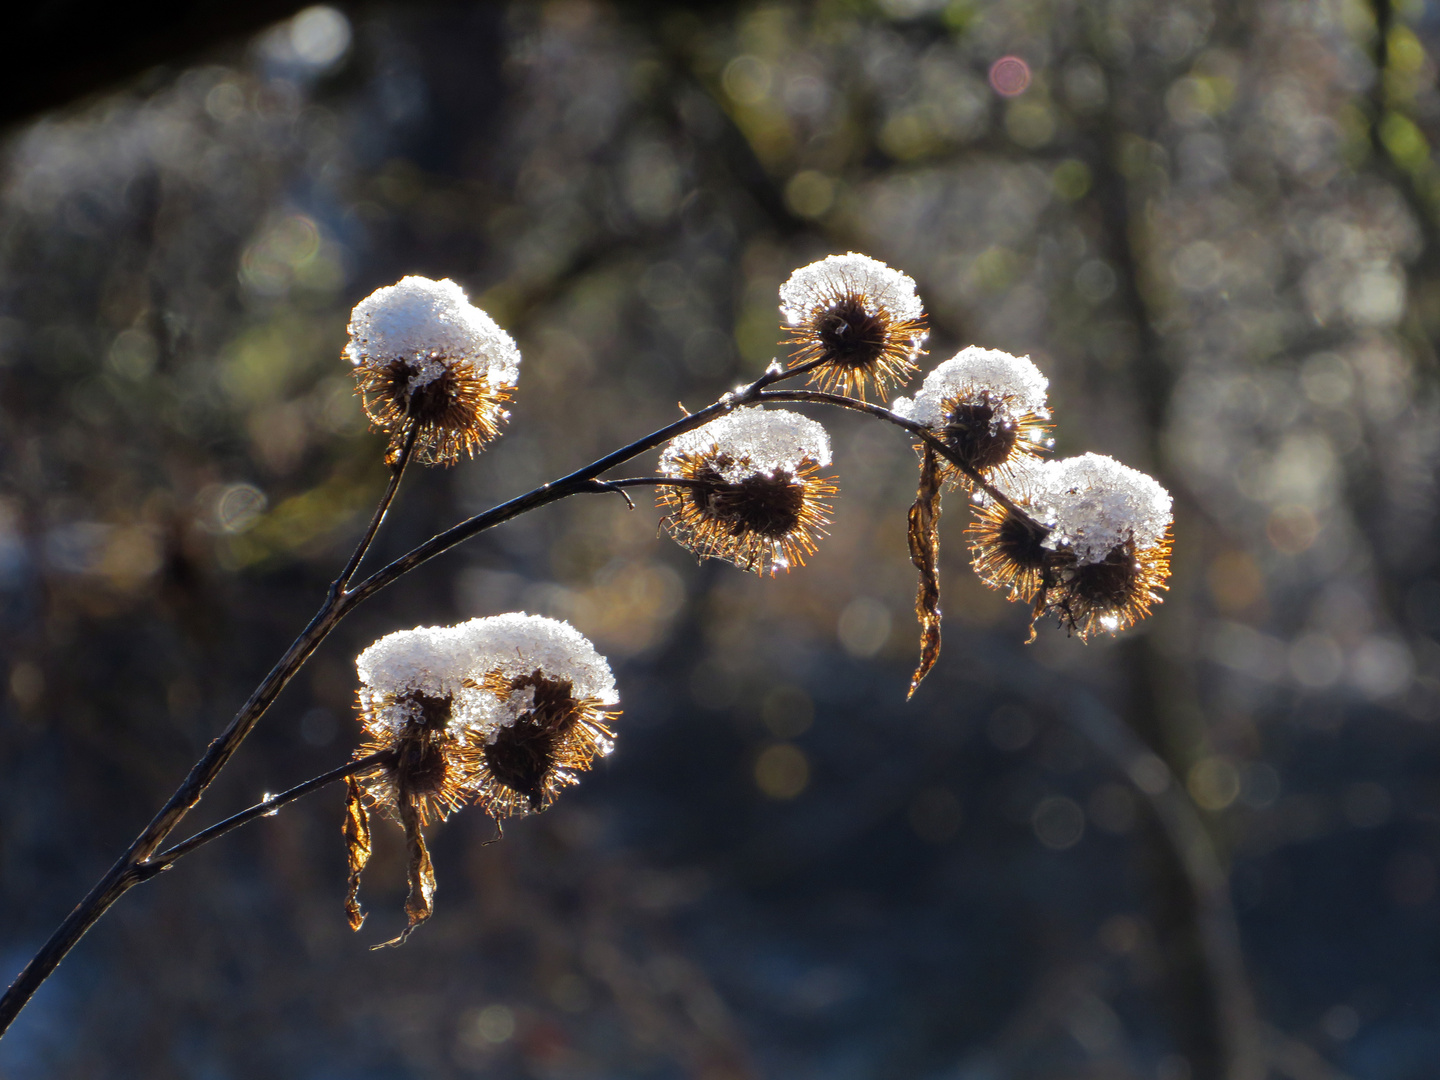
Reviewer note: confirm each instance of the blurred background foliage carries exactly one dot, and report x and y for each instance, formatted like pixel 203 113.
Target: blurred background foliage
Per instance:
pixel 1206 849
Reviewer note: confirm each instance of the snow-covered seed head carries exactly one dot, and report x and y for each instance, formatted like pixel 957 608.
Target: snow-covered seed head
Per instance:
pixel 503 712
pixel 412 701
pixel 1111 539
pixel 424 355
pixel 749 489
pixel 987 406
pixel 860 319
pixel 540 718
pixel 1090 544
pixel 1008 550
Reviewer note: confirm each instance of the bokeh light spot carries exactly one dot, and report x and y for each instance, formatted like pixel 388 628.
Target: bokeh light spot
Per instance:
pixel 1059 823
pixel 782 771
pixel 1292 529
pixel 492 1024
pixel 1214 783
pixel 864 627
pixel 1009 76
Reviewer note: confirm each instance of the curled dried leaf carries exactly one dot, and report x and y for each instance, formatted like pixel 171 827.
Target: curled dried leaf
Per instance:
pixel 357 848
pixel 925 554
pixel 419 904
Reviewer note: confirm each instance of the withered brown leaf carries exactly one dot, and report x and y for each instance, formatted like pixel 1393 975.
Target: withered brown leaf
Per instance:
pixel 357 849
pixel 925 554
pixel 419 904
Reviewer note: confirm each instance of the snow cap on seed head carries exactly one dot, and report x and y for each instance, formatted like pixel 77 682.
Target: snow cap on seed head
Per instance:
pixel 1011 381
pixel 816 286
pixel 755 440
pixel 430 325
pixel 427 660
pixel 449 661
pixel 1098 504
pixel 519 644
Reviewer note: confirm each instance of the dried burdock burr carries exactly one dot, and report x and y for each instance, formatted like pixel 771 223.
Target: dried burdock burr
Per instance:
pixel 503 712
pixel 542 714
pixel 748 489
pixel 987 407
pixel 411 700
pixel 1008 549
pixel 857 320
pixel 426 358
pixel 1111 537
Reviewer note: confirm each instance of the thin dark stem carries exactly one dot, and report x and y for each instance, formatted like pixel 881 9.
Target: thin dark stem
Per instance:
pixel 397 472
pixel 652 481
pixel 339 601
pixel 271 805
pixel 121 876
pixel 920 431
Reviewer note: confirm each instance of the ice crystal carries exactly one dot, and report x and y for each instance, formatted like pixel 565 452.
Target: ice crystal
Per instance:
pixel 518 645
pixel 426 660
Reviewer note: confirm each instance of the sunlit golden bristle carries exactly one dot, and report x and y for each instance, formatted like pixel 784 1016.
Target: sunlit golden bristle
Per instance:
pixel 763 522
pixel 456 413
pixel 1113 594
pixel 526 764
pixel 858 349
pixel 432 768
pixel 1008 551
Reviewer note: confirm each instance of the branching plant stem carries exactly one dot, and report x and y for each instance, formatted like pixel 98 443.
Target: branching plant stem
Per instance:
pixel 144 859
pixel 267 807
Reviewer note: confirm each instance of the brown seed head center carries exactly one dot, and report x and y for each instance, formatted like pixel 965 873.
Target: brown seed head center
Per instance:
pixel 523 754
pixel 1019 543
pixel 1109 583
pixel 768 506
pixel 972 432
pixel 433 403
pixel 421 759
pixel 851 336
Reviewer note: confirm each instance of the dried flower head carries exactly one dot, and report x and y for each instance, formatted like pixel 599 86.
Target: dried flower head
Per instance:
pixel 987 406
pixel 750 488
pixel 1008 550
pixel 413 707
pixel 1091 546
pixel 414 701
pixel 424 355
pixel 1111 539
pixel 859 318
pixel 502 712
pixel 540 717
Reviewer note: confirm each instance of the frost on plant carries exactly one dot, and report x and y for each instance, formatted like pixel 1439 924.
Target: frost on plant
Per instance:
pixel 503 712
pixel 1112 541
pixel 749 489
pixel 1099 504
pixel 541 716
pixel 858 320
pixel 424 355
pixel 987 406
pixel 1091 544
